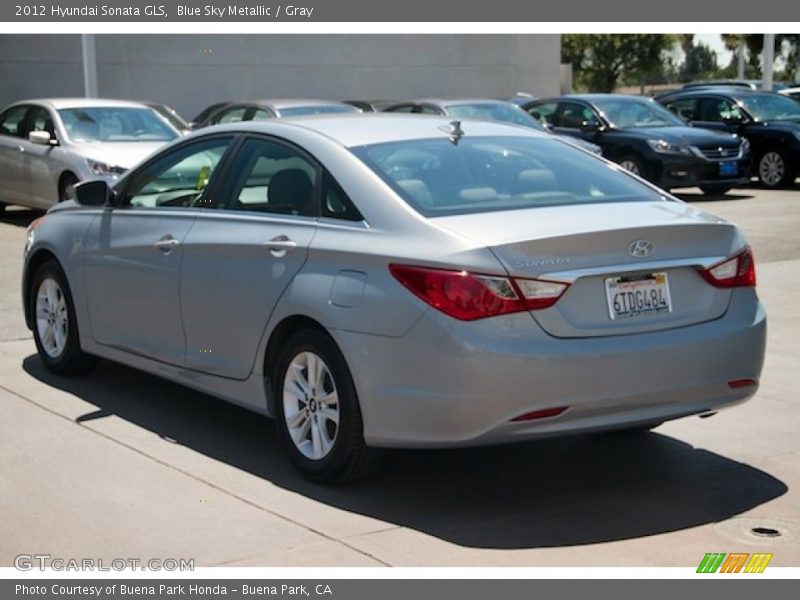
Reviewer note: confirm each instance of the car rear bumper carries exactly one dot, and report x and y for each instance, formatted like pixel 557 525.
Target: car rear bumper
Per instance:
pixel 451 383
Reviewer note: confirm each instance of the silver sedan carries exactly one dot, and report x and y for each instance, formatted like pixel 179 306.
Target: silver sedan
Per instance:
pixel 49 145
pixel 390 281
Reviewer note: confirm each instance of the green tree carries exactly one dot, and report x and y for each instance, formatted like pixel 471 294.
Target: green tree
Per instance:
pixel 601 61
pixel 700 63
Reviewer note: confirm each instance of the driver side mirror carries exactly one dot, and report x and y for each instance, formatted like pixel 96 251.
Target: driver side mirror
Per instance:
pixel 738 120
pixel 588 127
pixel 93 193
pixel 43 138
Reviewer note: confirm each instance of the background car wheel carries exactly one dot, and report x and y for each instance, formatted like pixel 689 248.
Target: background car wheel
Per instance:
pixel 715 190
pixel 317 411
pixel 634 164
pixel 55 328
pixel 774 169
pixel 66 187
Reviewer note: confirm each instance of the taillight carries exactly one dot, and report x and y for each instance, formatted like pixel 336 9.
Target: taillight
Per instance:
pixel 739 271
pixel 470 296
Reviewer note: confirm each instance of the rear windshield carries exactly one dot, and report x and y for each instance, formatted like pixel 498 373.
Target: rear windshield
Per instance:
pixel 483 174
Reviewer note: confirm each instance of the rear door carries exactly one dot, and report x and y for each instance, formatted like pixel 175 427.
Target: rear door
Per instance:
pixel 134 251
pixel 240 256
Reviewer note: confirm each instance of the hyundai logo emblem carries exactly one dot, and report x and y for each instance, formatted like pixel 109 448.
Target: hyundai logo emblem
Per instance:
pixel 640 248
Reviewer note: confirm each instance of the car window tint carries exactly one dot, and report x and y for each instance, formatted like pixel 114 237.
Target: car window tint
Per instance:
pixel 12 120
pixel 401 108
pixel 40 120
pixel 335 202
pixel 261 114
pixel 715 110
pixel 484 174
pixel 426 109
pixel 685 108
pixel 178 178
pixel 575 116
pixel 268 176
pixel 544 113
pixel 231 115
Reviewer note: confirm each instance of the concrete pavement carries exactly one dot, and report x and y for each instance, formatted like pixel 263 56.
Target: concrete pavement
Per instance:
pixel 120 463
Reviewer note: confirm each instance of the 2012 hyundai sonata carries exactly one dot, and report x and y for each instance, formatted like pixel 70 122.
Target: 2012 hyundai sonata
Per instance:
pixel 391 281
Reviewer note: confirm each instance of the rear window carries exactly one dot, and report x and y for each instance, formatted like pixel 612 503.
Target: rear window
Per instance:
pixel 483 174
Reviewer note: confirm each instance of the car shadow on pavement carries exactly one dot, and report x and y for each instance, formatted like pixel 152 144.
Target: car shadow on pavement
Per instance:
pixel 699 197
pixel 557 492
pixel 19 217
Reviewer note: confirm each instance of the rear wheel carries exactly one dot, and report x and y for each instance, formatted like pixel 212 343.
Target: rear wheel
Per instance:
pixel 318 414
pixel 55 328
pixel 66 187
pixel 774 169
pixel 715 190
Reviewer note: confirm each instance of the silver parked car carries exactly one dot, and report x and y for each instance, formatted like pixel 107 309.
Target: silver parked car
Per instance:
pixel 390 281
pixel 47 146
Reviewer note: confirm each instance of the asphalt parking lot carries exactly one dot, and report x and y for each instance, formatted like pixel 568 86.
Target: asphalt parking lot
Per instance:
pixel 122 464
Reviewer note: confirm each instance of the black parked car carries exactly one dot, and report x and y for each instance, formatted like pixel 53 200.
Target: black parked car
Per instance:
pixel 480 108
pixel 770 121
pixel 648 140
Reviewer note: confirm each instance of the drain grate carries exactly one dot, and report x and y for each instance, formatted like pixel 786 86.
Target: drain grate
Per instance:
pixel 768 532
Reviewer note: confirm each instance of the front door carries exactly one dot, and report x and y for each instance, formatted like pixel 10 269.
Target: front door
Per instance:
pixel 134 252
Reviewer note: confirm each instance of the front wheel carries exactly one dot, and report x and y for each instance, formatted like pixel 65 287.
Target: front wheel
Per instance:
pixel 774 169
pixel 715 190
pixel 318 414
pixel 634 164
pixel 55 327
pixel 66 188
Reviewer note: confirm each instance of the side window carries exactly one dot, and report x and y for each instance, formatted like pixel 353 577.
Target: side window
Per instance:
pixel 12 120
pixel 271 177
pixel 40 120
pixel 544 113
pixel 574 116
pixel 718 110
pixel 230 115
pixel 426 109
pixel 401 108
pixel 179 178
pixel 335 202
pixel 261 115
pixel 685 108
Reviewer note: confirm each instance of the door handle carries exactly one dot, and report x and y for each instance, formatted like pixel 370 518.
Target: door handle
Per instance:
pixel 167 244
pixel 280 245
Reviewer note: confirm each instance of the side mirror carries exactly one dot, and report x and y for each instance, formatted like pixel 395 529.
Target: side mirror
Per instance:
pixel 588 127
pixel 734 121
pixel 42 137
pixel 93 193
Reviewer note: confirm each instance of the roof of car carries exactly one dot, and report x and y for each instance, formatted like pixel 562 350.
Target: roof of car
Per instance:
pixel 454 101
pixel 283 103
pixel 359 129
pixel 61 103
pixel 732 91
pixel 594 97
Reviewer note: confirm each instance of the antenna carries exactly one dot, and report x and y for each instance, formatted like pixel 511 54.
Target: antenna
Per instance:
pixel 455 131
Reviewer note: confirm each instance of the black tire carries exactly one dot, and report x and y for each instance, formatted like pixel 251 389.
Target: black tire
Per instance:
pixel 66 187
pixel 774 168
pixel 71 360
pixel 349 459
pixel 715 190
pixel 635 165
pixel 2 207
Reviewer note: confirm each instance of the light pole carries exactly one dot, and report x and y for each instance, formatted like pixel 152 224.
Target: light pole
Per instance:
pixel 769 61
pixel 89 65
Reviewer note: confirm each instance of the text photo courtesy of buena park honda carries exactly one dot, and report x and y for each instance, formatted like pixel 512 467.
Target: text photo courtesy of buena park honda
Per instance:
pixel 400 300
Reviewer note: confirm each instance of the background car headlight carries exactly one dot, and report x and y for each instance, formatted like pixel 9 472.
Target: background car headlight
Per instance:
pixel 665 147
pixel 104 169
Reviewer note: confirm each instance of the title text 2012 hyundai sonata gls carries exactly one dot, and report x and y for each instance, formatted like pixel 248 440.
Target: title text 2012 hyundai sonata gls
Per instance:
pixel 390 281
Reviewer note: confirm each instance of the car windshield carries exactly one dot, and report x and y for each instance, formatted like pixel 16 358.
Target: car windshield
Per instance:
pixel 494 111
pixel 440 177
pixel 115 124
pixel 321 109
pixel 630 113
pixel 771 107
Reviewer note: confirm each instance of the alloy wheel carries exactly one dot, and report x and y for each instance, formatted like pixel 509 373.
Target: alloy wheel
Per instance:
pixel 311 405
pixel 771 168
pixel 630 166
pixel 52 321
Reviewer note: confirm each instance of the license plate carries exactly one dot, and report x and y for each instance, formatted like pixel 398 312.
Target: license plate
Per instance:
pixel 727 168
pixel 638 296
